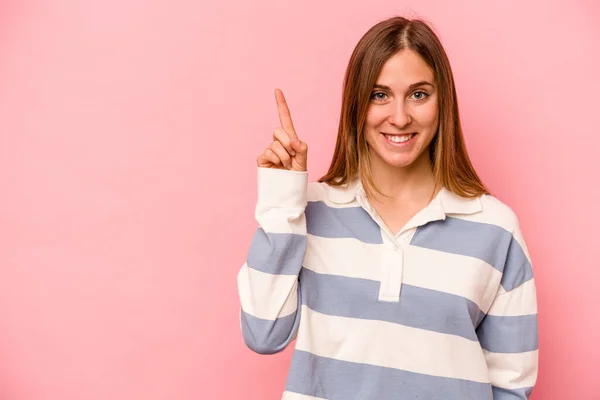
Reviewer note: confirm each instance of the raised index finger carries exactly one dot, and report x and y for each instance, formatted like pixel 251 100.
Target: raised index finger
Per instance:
pixel 284 113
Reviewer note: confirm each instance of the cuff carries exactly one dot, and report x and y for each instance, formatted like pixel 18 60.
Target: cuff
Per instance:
pixel 282 188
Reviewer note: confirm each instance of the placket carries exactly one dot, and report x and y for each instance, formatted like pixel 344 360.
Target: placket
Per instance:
pixel 392 258
pixel 392 266
pixel 393 250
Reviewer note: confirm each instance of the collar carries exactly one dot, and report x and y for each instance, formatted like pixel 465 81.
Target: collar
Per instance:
pixel 446 202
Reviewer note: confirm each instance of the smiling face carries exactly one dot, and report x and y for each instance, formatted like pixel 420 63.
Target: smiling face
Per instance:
pixel 402 117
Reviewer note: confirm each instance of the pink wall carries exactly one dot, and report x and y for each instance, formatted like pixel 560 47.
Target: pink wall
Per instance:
pixel 128 137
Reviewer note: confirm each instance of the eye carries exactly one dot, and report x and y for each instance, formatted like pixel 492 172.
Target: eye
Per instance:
pixel 420 95
pixel 378 96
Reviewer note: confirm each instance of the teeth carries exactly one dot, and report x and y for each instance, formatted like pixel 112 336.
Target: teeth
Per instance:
pixel 399 139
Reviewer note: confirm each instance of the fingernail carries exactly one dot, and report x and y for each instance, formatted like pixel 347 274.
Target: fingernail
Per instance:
pixel 293 153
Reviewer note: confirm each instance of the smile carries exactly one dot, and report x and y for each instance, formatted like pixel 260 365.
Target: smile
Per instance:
pixel 399 139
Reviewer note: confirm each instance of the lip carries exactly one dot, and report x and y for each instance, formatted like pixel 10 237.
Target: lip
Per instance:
pixel 409 141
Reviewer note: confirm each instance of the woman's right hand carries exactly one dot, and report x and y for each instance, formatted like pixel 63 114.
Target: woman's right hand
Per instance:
pixel 286 151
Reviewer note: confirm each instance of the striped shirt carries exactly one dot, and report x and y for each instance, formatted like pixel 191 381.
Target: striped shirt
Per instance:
pixel 445 309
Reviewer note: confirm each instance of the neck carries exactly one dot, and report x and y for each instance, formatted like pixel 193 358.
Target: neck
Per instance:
pixel 412 183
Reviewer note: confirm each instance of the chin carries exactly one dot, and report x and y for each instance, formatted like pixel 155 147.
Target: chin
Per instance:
pixel 406 162
pixel 402 160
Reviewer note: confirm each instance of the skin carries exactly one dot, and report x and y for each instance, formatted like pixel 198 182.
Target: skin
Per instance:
pixel 286 151
pixel 404 100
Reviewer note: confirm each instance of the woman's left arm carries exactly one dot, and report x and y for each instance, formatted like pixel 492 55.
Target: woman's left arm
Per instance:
pixel 509 331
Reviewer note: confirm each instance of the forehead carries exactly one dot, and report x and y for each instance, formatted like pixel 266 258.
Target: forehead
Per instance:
pixel 403 69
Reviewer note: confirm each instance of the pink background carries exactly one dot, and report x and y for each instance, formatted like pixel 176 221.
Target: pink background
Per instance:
pixel 129 131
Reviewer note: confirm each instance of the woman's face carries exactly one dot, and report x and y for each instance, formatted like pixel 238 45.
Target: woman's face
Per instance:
pixel 402 118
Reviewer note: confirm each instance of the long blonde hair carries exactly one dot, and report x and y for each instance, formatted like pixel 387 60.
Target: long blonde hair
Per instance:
pixel 451 165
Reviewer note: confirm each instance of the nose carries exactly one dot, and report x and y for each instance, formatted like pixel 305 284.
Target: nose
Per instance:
pixel 399 115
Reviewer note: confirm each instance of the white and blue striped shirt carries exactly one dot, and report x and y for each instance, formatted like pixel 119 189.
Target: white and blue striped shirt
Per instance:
pixel 445 309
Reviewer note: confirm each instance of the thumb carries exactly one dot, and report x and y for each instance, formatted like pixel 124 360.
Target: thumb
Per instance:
pixel 299 146
pixel 301 150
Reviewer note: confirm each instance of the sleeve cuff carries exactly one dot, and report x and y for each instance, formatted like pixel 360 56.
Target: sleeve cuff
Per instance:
pixel 282 188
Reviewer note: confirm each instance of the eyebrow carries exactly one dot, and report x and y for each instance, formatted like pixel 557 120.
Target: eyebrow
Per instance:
pixel 414 85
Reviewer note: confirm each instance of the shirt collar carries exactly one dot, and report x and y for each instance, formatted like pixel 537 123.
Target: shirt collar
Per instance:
pixel 446 201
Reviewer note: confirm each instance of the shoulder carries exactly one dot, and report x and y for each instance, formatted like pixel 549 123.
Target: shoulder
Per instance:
pixel 495 211
pixel 492 205
pixel 317 191
pixel 339 196
pixel 497 221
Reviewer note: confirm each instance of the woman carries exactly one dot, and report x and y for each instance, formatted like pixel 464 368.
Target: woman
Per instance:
pixel 398 274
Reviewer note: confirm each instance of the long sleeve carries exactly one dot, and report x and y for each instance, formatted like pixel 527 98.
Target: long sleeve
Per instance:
pixel 268 285
pixel 509 331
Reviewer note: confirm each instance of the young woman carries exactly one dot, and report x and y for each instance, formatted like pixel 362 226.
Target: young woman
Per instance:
pixel 398 274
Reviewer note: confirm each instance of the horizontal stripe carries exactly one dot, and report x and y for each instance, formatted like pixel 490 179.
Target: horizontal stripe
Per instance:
pixel 518 236
pixel 349 222
pixel 391 345
pixel 509 334
pixel 265 336
pixel 452 273
pixel 490 243
pixel 341 380
pixel 519 301
pixel 514 394
pixel 497 213
pixel 517 269
pixel 277 253
pixel 417 308
pixel 297 396
pixel 267 296
pixel 512 371
pixel 345 257
pixel 445 272
pixel 486 242
pixel 493 212
pixel 275 220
